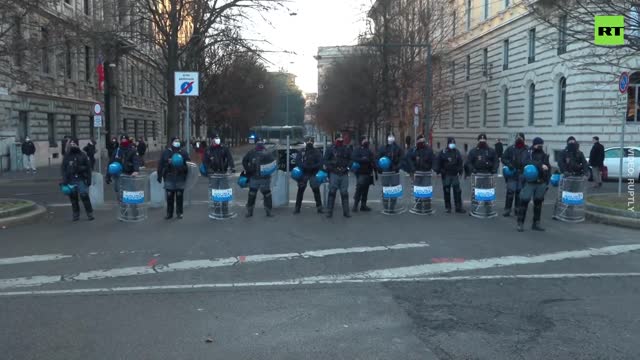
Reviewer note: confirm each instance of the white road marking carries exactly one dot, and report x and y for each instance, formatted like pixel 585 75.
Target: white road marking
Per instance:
pixel 134 289
pixel 32 258
pixel 440 268
pixel 187 265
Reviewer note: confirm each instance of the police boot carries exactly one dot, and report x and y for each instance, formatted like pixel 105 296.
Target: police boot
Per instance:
pixel 171 196
pixel 332 201
pixel 268 204
pixel 251 203
pixel 87 206
pixel 75 205
pixel 447 199
pixel 507 204
pixel 299 196
pixel 345 206
pixel 457 197
pixel 522 215
pixel 363 202
pixel 318 199
pixel 537 212
pixel 356 199
pixel 179 203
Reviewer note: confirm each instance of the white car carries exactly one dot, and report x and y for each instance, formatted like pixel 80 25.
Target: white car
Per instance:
pixel 630 162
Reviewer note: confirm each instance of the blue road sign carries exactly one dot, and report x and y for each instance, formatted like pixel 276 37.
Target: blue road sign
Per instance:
pixel 623 84
pixel 186 87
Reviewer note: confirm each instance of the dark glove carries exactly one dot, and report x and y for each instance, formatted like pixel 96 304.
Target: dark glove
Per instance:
pixel 159 180
pixel 108 180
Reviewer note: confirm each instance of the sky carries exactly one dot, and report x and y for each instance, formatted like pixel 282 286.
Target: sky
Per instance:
pixel 317 23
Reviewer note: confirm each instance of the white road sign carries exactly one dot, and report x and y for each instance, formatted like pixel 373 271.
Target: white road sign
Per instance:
pixel 187 83
pixel 97 121
pixel 622 103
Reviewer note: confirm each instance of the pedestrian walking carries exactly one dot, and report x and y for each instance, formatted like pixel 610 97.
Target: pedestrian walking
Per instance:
pixel 534 187
pixel 141 146
pixel 29 155
pixel 76 175
pixel 596 160
pixel 337 160
pixel 512 160
pixel 450 165
pixel 309 160
pixel 173 169
pixel 112 146
pixel 258 165
pixel 364 175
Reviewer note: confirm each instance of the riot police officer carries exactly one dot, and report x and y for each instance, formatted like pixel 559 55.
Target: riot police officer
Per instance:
pixel 482 159
pixel 392 151
pixel 127 156
pixel 512 159
pixel 364 175
pixel 76 173
pixel 259 164
pixel 175 177
pixel 217 160
pixel 572 161
pixel 449 164
pixel 421 159
pixel 309 160
pixel 534 188
pixel 336 161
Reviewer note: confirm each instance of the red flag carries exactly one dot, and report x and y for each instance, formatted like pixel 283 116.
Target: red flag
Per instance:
pixel 100 71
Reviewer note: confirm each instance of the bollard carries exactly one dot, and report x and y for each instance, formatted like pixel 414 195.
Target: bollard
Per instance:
pixel 96 190
pixel 157 194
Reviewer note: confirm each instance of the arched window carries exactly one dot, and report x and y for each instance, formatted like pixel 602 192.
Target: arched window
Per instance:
pixel 484 108
pixel 453 112
pixel 562 98
pixel 532 103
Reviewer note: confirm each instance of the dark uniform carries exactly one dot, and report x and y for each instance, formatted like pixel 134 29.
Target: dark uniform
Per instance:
pixel 90 150
pixel 534 189
pixel 512 158
pixel 482 160
pixel 420 159
pixel 255 160
pixel 364 175
pixel 76 171
pixel 450 165
pixel 175 179
pixel 572 161
pixel 395 154
pixel 337 161
pixel 309 161
pixel 127 156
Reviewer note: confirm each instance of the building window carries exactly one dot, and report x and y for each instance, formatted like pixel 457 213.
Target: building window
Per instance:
pixel 124 125
pixel 453 73
pixel 505 54
pixel 154 130
pixel 135 128
pixel 485 62
pixel 468 67
pixel 46 61
pixel 18 41
pixel 51 127
pixel 562 35
pixel 633 28
pixel 562 98
pixel 532 104
pixel 484 108
pixel 87 9
pixel 453 112
pixel 68 60
pixel 486 9
pixel 468 13
pixel 532 45
pixel 133 81
pixel 466 110
pixel 74 127
pixel 506 3
pixel 142 83
pixel 454 24
pixel 23 125
pixel 92 129
pixel 87 64
pixel 505 106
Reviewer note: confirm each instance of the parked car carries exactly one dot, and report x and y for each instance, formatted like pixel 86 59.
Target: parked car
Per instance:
pixel 630 162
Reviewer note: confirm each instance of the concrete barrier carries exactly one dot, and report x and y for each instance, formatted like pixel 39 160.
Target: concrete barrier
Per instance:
pixel 96 190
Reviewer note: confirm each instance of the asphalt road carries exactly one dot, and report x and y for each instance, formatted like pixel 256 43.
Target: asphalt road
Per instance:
pixel 305 287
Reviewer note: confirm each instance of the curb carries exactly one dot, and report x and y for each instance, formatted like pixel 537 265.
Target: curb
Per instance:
pixel 613 220
pixel 19 210
pixel 34 215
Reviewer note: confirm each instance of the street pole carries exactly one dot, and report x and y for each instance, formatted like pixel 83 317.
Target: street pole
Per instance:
pixel 187 129
pixel 286 178
pixel 287 108
pixel 427 98
pixel 99 152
